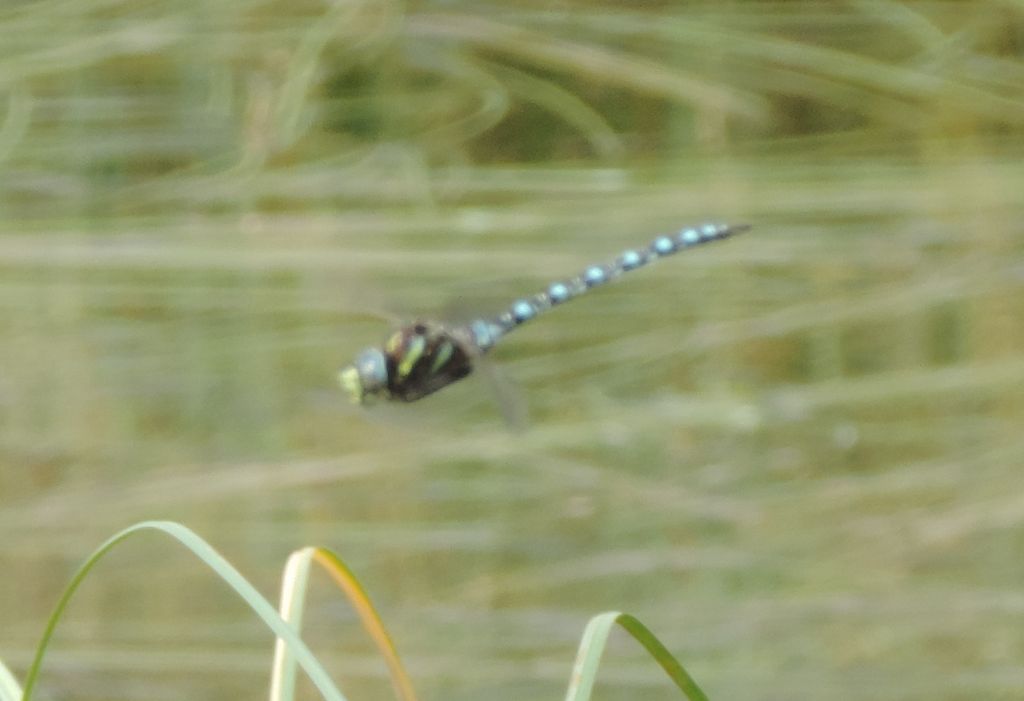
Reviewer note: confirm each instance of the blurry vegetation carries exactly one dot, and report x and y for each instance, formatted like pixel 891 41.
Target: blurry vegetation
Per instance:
pixel 291 654
pixel 799 452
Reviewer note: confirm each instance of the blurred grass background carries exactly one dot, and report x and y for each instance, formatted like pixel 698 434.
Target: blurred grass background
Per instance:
pixel 796 455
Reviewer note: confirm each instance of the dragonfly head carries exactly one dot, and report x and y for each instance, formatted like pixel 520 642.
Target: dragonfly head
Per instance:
pixel 366 377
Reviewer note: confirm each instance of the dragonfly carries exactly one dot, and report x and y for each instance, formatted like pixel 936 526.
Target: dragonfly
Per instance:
pixel 425 356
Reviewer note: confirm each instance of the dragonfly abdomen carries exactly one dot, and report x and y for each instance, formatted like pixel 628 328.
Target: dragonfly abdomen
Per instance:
pixel 485 333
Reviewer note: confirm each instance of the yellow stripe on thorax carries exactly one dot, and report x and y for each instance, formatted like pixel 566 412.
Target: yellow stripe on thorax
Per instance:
pixel 444 354
pixel 394 343
pixel 413 352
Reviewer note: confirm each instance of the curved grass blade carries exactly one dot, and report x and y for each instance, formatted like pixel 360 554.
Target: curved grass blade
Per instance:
pixel 595 636
pixel 294 585
pixel 564 104
pixel 9 689
pixel 293 596
pixel 201 549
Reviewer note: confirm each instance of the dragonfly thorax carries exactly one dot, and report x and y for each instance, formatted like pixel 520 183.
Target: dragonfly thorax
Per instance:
pixel 416 360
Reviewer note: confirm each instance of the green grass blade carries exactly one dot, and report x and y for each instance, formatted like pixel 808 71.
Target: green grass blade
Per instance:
pixel 9 689
pixel 219 565
pixel 595 636
pixel 293 594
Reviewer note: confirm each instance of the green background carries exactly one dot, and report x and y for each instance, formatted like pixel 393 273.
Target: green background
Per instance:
pixel 797 455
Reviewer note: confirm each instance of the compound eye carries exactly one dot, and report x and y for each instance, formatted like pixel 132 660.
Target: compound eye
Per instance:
pixel 372 367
